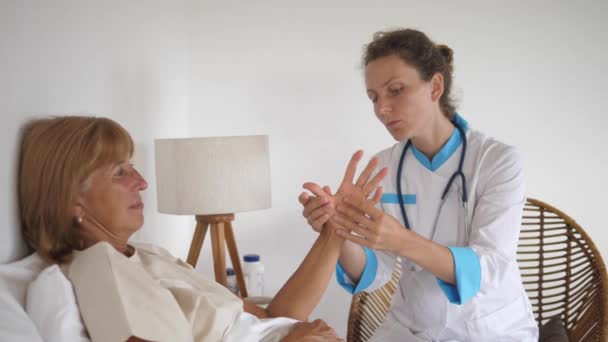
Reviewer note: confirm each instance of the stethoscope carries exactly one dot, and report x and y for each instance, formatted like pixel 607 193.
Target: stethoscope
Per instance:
pixel 445 191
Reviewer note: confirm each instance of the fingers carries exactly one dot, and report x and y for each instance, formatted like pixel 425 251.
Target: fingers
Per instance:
pixel 317 224
pixel 318 218
pixel 303 198
pixel 314 211
pixel 349 226
pixel 364 205
pixel 377 195
pixel 319 329
pixel 352 167
pixel 324 328
pixel 315 189
pixel 317 213
pixel 367 172
pixel 354 238
pixel 372 184
pixel 313 204
pixel 354 216
pixel 320 322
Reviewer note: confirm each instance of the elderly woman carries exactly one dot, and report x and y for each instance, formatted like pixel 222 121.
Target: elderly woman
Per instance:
pixel 80 203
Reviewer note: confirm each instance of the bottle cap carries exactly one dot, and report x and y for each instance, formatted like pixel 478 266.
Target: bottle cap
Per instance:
pixel 251 257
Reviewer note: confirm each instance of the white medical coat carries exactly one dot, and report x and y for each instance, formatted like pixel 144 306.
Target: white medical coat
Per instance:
pixel 500 309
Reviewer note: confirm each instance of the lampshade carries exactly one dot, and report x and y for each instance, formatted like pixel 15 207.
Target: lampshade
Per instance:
pixel 208 176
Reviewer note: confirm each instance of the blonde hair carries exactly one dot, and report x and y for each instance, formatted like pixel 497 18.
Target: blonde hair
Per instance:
pixel 57 156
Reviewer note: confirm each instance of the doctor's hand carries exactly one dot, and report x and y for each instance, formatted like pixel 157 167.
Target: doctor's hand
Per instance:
pixel 373 227
pixel 319 210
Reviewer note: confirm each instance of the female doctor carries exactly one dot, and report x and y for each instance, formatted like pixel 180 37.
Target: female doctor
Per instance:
pixel 450 211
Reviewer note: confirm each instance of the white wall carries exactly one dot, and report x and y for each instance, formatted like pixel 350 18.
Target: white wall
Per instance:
pixel 530 74
pixel 126 62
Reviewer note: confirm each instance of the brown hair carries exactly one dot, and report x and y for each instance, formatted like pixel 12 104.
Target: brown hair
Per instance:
pixel 417 50
pixel 57 156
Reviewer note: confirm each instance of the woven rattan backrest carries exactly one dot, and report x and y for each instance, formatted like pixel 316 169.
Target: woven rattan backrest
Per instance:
pixel 367 310
pixel 562 271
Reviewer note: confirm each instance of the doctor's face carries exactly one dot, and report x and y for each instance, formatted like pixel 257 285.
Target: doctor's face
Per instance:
pixel 402 100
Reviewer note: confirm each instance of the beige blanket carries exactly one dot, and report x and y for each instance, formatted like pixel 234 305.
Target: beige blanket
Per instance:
pixel 151 295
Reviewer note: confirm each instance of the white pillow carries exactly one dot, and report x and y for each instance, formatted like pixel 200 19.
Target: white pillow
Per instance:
pixel 51 304
pixel 15 325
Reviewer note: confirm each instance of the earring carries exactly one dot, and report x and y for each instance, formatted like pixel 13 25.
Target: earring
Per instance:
pixel 79 219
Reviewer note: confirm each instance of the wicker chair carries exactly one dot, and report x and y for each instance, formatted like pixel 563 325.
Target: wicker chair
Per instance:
pixel 561 268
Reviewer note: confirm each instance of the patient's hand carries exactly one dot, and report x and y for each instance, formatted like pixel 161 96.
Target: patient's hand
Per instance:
pixel 319 210
pixel 311 332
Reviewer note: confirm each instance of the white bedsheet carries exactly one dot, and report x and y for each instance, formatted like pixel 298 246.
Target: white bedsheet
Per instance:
pixel 248 328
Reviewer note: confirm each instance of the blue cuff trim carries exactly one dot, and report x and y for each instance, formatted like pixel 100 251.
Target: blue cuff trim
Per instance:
pixel 468 276
pixel 367 278
pixel 394 198
pixel 446 151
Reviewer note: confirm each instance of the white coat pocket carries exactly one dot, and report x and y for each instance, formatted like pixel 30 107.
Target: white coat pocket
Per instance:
pixel 500 324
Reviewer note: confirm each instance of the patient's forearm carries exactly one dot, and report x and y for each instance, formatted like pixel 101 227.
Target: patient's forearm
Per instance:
pixel 304 289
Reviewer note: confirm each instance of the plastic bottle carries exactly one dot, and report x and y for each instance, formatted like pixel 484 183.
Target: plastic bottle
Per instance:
pixel 231 281
pixel 253 270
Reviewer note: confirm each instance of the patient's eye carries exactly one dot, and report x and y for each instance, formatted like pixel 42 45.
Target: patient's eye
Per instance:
pixel 120 171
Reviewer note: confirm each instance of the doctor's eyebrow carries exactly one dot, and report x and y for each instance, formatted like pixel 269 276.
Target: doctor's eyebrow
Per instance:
pixel 384 84
pixel 389 80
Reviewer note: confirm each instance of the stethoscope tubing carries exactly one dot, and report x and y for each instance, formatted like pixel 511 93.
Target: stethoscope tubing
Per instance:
pixel 458 173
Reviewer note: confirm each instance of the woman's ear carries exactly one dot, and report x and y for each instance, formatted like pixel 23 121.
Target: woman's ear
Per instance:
pixel 436 87
pixel 78 211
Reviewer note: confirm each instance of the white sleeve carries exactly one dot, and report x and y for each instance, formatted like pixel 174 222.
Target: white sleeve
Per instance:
pixel 497 217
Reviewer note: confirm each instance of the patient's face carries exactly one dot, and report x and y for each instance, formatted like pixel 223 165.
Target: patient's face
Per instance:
pixel 112 197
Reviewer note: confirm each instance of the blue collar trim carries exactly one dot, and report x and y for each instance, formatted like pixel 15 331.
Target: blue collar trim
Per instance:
pixel 447 150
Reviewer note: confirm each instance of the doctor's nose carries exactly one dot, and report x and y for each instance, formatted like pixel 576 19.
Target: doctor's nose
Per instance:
pixel 383 108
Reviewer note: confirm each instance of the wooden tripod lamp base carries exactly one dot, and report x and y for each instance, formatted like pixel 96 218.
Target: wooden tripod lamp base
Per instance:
pixel 222 236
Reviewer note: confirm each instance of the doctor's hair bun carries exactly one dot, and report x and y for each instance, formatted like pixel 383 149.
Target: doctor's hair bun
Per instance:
pixel 446 52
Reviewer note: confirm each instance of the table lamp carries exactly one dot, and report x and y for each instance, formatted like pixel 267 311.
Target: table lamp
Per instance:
pixel 213 178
